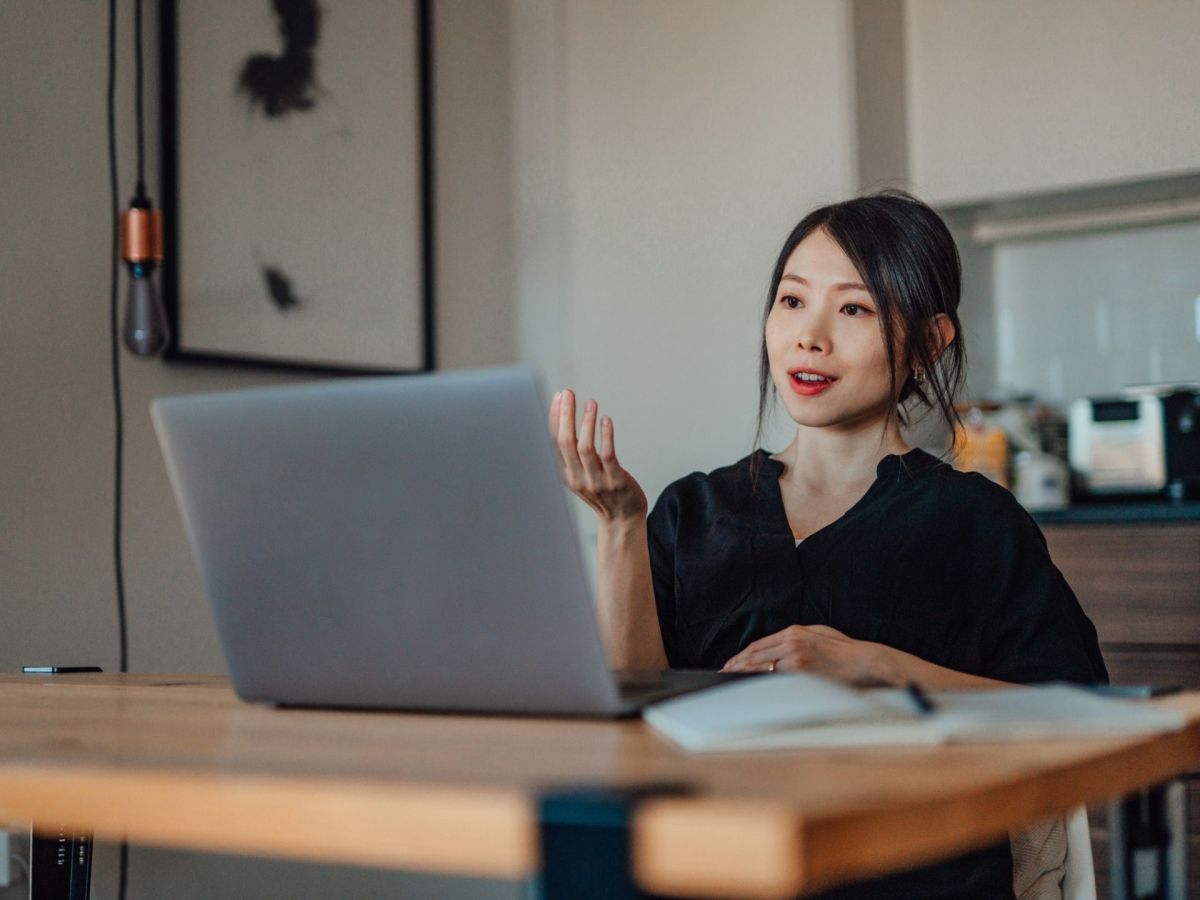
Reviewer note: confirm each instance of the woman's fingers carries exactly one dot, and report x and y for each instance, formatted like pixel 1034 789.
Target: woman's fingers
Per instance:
pixel 567 442
pixel 582 463
pixel 608 453
pixel 748 654
pixel 813 648
pixel 761 653
pixel 587 446
pixel 589 462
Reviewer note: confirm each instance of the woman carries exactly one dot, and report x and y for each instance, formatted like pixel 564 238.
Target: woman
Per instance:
pixel 847 553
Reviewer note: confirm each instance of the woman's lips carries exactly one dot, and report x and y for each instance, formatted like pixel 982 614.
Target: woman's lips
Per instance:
pixel 810 388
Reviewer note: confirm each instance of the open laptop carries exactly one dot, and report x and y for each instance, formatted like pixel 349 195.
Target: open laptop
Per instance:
pixel 397 542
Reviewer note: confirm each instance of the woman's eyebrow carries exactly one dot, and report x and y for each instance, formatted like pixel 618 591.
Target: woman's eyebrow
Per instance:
pixel 844 286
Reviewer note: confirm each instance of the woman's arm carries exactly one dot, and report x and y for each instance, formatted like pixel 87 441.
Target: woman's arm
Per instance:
pixel 896 667
pixel 624 592
pixel 625 597
pixel 826 651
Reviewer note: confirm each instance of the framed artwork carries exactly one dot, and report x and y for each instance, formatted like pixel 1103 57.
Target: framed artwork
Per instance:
pixel 297 182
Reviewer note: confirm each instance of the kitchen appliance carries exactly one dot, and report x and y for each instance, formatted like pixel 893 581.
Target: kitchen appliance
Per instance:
pixel 1142 441
pixel 1041 481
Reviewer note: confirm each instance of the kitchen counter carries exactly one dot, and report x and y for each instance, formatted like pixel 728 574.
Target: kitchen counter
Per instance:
pixel 1121 512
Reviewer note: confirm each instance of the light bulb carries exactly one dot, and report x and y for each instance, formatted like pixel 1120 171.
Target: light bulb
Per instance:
pixel 146 331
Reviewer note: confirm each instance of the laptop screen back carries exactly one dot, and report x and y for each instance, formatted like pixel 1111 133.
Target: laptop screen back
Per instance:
pixel 400 542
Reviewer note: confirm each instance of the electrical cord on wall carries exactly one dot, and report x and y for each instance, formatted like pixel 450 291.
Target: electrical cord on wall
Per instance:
pixel 141 122
pixel 114 347
pixel 118 411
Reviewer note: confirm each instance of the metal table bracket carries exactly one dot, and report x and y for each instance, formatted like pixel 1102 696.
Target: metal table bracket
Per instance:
pixel 585 842
pixel 1148 844
pixel 60 863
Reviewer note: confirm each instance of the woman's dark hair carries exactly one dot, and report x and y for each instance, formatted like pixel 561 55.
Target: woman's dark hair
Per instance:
pixel 909 262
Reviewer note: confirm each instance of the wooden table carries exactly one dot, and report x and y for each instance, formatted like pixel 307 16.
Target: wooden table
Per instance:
pixel 178 761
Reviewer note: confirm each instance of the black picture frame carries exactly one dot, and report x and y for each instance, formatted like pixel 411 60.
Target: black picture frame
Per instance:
pixel 174 207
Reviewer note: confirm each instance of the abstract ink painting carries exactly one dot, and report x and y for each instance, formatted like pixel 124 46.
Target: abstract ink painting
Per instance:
pixel 293 182
pixel 283 82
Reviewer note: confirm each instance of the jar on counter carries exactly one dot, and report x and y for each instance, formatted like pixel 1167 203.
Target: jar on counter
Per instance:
pixel 1041 481
pixel 982 446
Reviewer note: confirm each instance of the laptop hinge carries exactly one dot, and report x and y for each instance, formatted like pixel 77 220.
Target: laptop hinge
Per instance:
pixel 586 841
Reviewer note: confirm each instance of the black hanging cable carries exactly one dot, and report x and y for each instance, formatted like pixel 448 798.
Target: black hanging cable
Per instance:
pixel 425 27
pixel 114 346
pixel 118 411
pixel 141 125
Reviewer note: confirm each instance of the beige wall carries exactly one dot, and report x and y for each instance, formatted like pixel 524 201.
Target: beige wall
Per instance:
pixel 1042 95
pixel 56 418
pixel 684 140
pixel 613 182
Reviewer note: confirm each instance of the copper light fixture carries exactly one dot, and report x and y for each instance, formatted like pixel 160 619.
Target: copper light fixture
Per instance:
pixel 146 332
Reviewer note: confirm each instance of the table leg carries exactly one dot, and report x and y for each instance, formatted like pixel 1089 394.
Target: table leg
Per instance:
pixel 585 842
pixel 60 863
pixel 1148 844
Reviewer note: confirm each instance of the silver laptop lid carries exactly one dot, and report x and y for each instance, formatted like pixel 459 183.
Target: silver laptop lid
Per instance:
pixel 398 542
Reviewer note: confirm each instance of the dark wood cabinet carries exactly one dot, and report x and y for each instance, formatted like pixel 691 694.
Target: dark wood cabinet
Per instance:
pixel 1140 584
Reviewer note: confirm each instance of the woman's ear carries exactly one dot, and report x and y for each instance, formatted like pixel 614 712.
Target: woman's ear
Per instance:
pixel 941 333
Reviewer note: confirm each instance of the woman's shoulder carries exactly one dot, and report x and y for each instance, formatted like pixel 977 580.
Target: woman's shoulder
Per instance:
pixel 728 488
pixel 966 497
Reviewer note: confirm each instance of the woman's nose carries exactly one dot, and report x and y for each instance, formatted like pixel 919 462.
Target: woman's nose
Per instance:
pixel 812 334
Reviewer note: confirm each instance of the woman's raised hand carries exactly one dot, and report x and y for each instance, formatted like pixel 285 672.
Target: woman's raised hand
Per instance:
pixel 593 475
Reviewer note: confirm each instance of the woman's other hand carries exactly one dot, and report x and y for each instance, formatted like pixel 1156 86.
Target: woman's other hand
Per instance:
pixel 593 475
pixel 813 648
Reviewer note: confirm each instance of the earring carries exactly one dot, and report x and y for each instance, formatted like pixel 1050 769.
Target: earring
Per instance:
pixel 919 376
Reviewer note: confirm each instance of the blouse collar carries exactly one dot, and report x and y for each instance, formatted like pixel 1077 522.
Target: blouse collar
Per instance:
pixel 910 463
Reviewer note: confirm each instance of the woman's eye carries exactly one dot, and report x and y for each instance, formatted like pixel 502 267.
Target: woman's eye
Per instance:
pixel 790 302
pixel 853 309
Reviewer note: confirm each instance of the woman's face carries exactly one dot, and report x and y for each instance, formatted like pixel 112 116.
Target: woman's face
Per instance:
pixel 825 341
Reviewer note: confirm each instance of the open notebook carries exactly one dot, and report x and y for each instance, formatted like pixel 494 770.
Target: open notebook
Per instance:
pixel 791 710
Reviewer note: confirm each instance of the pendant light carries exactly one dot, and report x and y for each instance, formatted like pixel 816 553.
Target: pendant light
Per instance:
pixel 146 332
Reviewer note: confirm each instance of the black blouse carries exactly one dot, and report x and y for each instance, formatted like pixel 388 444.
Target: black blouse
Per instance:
pixel 941 564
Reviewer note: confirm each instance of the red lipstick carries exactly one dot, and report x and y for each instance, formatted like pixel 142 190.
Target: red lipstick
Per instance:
pixel 812 387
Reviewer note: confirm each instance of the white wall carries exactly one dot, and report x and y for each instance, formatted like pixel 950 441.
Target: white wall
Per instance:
pixel 1056 106
pixel 881 101
pixel 476 234
pixel 1034 95
pixel 685 139
pixel 1089 314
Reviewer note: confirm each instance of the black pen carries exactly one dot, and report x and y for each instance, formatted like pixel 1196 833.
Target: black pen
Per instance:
pixel 920 698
